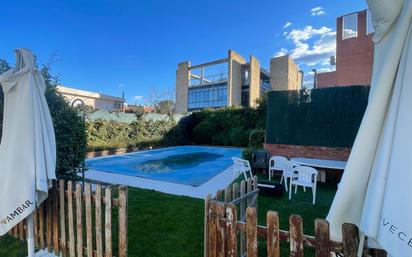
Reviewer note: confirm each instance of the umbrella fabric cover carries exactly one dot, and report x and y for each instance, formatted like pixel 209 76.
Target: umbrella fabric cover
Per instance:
pixel 27 150
pixel 374 192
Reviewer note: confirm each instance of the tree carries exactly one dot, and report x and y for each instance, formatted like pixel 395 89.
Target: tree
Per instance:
pixel 165 107
pixel 70 131
pixel 154 97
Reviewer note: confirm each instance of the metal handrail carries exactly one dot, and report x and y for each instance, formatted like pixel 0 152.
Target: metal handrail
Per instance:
pixel 208 79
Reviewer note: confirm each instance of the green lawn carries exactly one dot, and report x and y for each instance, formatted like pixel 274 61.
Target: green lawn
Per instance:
pixel 167 225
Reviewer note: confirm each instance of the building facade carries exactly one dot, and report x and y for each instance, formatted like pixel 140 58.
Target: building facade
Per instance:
pixel 354 52
pixel 95 100
pixel 231 81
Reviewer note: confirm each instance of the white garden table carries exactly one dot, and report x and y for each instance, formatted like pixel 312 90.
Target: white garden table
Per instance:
pixel 321 164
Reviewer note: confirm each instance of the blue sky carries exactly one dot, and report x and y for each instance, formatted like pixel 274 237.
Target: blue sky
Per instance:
pixel 134 46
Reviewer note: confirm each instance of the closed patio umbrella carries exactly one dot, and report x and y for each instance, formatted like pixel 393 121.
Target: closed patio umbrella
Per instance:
pixel 375 190
pixel 28 148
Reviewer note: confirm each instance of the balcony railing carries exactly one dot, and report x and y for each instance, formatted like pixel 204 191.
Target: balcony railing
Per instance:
pixel 212 79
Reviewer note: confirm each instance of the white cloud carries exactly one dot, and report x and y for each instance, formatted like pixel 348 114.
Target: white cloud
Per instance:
pixel 308 83
pixel 313 52
pixel 137 97
pixel 317 11
pixel 327 69
pixel 285 33
pixel 287 24
pixel 282 52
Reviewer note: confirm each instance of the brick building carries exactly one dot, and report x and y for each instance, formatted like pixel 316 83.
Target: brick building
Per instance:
pixel 354 52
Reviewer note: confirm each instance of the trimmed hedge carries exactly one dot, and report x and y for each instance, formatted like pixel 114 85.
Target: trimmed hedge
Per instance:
pixel 318 117
pixel 226 126
pixel 108 134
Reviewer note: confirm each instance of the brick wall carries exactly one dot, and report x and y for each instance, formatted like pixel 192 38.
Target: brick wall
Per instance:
pixel 317 152
pixel 326 79
pixel 354 57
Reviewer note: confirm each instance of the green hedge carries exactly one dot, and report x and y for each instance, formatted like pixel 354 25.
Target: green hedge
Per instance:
pixel 319 117
pixel 225 126
pixel 107 135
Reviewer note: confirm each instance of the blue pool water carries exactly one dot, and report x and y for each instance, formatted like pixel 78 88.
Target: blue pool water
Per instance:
pixel 188 165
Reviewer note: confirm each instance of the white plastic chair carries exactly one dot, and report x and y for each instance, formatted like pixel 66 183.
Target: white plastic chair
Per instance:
pixel 241 166
pixel 277 163
pixel 280 163
pixel 306 177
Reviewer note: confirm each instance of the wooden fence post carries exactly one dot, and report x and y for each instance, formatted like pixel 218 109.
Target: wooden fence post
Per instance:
pixel 108 222
pixel 49 221
pixel 41 225
pixel 249 188
pixel 122 221
pixel 21 230
pixel 322 247
pixel 62 217
pixel 228 194
pixel 206 225
pixel 242 216
pixel 98 221
pixel 251 232
pixel 89 233
pixel 296 236
pixel 235 189
pixel 79 220
pixel 220 236
pixel 273 240
pixel 36 225
pixel 71 218
pixel 231 231
pixel 55 211
pixel 212 229
pixel 350 240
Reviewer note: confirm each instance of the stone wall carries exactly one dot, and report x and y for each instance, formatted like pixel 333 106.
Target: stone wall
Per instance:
pixel 234 94
pixel 182 87
pixel 284 74
pixel 254 85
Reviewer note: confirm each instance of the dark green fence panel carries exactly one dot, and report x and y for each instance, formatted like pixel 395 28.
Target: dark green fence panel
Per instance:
pixel 318 117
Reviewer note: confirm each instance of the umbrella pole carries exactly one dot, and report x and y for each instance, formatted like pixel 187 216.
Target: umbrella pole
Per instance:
pixel 30 236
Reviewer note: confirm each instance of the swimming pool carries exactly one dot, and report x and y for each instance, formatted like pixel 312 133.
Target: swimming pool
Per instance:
pixel 188 165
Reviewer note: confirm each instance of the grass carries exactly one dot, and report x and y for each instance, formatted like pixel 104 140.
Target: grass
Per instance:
pixel 10 247
pixel 167 225
pixel 301 204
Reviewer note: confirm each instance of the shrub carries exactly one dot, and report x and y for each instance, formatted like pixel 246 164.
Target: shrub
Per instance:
pixel 239 136
pixel 225 126
pixel 257 138
pixel 108 134
pixel 247 153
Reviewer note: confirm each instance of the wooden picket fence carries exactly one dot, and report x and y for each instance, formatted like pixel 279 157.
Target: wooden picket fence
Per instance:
pixel 243 195
pixel 77 222
pixel 223 230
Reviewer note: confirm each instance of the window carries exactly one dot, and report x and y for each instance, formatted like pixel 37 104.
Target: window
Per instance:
pixel 118 104
pixel 210 96
pixel 350 26
pixel 369 24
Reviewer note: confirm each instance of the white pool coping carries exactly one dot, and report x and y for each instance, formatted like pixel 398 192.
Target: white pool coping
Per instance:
pixel 220 181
